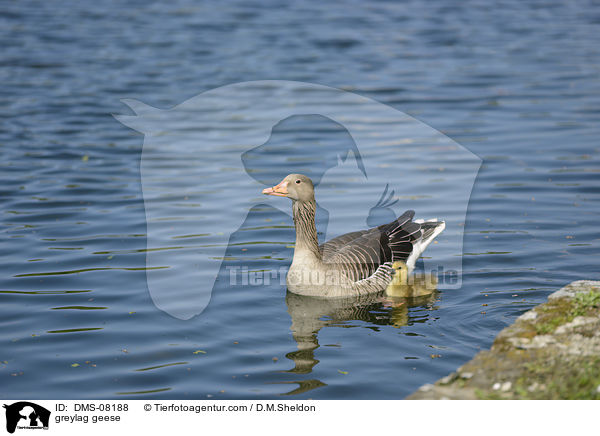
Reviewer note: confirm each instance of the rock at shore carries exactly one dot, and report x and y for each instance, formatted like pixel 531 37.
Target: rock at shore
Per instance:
pixel 550 352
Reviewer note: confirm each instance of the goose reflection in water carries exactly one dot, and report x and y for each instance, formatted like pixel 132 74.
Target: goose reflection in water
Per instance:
pixel 310 314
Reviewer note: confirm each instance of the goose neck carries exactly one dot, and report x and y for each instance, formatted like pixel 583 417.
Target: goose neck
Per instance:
pixel 307 242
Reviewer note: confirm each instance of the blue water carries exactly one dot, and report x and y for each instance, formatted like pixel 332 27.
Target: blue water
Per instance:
pixel 517 84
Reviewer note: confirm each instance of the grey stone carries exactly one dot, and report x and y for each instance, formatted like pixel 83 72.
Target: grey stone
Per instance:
pixel 528 316
pixel 518 350
pixel 575 288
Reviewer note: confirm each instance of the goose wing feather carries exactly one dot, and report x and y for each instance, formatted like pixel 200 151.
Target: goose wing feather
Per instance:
pixel 360 255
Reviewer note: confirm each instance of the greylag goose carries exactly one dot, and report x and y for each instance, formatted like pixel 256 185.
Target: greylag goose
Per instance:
pixel 353 264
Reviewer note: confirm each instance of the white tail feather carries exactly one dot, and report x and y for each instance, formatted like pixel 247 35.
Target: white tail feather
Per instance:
pixel 420 246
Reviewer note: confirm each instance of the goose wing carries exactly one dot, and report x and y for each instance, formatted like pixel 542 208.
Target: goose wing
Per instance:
pixel 330 248
pixel 363 254
pixel 360 256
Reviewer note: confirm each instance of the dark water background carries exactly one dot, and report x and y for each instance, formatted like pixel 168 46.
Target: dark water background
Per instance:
pixel 516 83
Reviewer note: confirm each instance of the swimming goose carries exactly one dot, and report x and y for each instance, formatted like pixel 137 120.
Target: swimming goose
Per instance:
pixel 356 263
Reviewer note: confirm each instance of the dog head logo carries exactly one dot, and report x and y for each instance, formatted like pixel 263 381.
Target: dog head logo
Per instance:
pixel 194 174
pixel 26 415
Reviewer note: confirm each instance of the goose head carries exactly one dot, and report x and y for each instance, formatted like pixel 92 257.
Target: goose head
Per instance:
pixel 297 187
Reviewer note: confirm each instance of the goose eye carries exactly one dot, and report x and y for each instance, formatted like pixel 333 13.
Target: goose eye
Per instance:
pixel 298 182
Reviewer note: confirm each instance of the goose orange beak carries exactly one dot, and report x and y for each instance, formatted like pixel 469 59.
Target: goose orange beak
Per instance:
pixel 279 190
